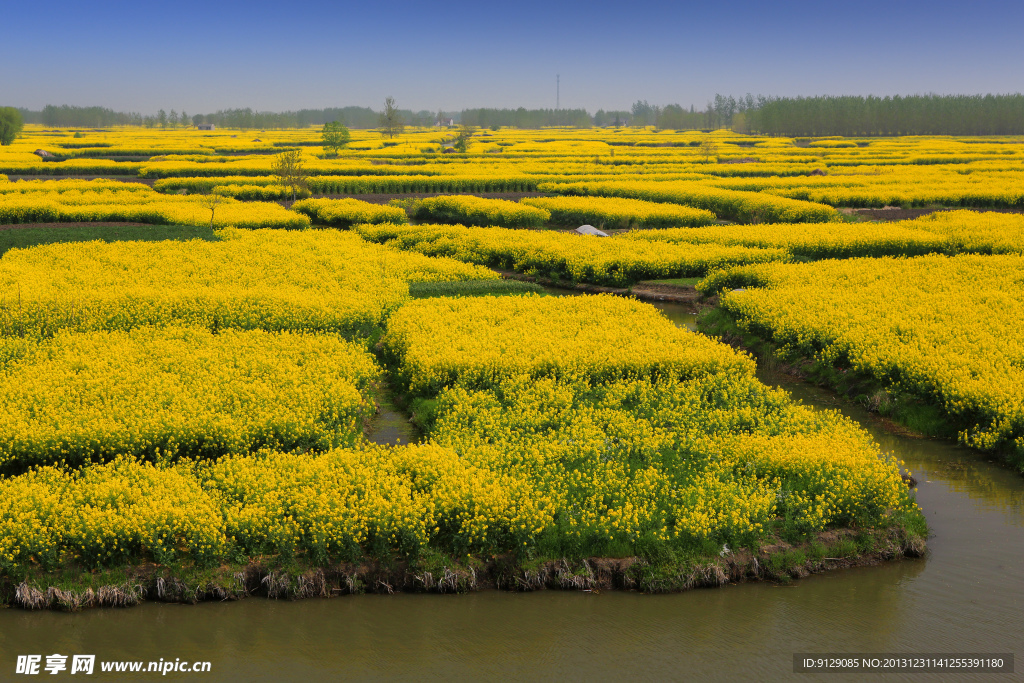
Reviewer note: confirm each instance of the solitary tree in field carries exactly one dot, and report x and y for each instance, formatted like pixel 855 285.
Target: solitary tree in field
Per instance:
pixel 462 140
pixel 390 120
pixel 335 136
pixel 708 149
pixel 212 201
pixel 10 124
pixel 290 172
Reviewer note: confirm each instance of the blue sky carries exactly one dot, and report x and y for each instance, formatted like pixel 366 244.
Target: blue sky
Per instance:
pixel 200 57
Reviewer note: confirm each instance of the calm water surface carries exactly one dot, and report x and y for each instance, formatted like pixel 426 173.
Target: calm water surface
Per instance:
pixel 967 595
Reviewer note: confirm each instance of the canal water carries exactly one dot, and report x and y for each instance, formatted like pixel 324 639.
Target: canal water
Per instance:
pixel 966 595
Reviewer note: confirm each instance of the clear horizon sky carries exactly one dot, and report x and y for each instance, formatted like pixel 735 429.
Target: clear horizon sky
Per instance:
pixel 201 57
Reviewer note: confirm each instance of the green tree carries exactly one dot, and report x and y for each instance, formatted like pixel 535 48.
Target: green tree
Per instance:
pixel 211 201
pixel 390 120
pixel 708 149
pixel 290 171
pixel 645 114
pixel 335 136
pixel 10 124
pixel 739 123
pixel 462 139
pixel 161 117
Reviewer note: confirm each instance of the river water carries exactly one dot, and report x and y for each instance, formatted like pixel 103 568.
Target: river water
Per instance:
pixel 966 595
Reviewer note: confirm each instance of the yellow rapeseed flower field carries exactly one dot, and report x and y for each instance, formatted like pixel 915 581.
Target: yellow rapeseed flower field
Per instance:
pixel 479 341
pixel 45 201
pixel 619 212
pixel 266 279
pixel 566 256
pixel 468 210
pixel 204 403
pixel 948 232
pixel 162 394
pixel 744 207
pixel 343 213
pixel 937 329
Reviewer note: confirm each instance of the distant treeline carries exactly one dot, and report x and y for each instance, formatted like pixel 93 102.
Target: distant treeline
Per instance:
pixel 911 115
pixel 81 117
pixel 353 117
pixel 847 116
pixel 526 118
pixel 786 116
pixel 66 116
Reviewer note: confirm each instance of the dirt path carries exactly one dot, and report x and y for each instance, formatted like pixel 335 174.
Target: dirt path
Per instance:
pixel 896 213
pixel 390 426
pixel 644 292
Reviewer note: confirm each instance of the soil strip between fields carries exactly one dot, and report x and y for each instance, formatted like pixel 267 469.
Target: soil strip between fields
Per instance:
pixel 645 292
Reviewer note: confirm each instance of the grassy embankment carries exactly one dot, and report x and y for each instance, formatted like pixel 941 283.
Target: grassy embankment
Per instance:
pixel 77 587
pixel 24 237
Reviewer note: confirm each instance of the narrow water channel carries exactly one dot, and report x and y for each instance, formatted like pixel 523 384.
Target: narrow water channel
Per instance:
pixel 966 595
